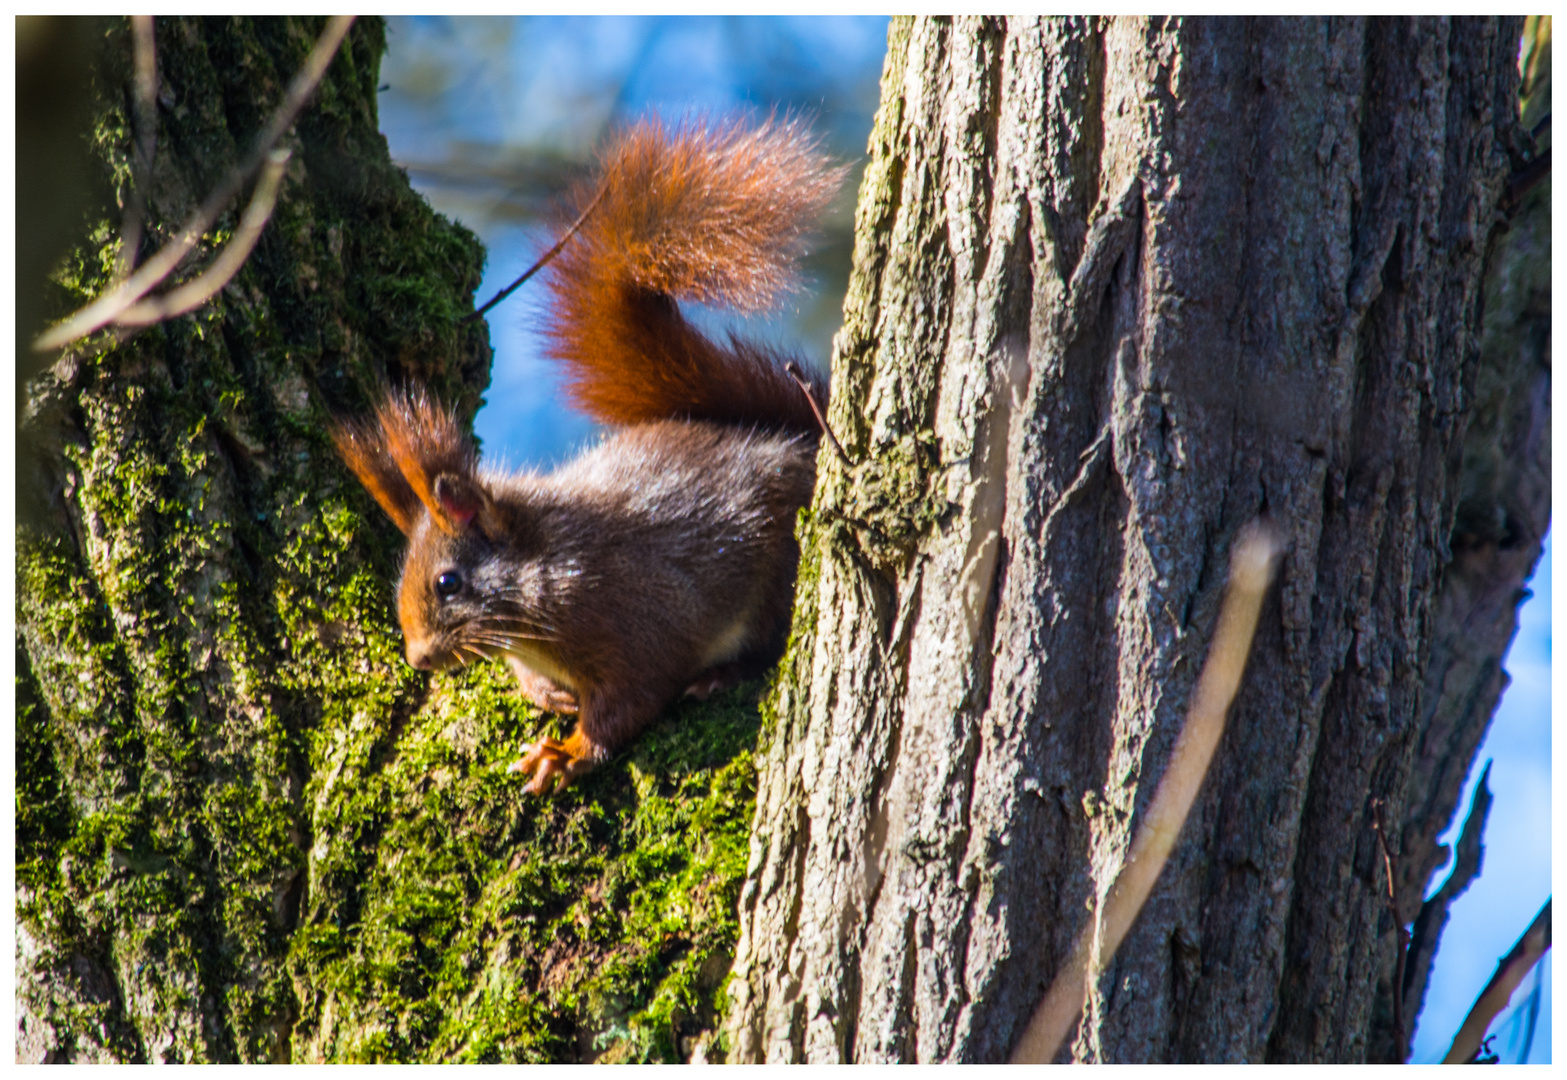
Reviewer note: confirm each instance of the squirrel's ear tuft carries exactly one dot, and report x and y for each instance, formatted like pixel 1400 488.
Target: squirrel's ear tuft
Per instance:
pixel 458 501
pixel 427 442
pixel 364 450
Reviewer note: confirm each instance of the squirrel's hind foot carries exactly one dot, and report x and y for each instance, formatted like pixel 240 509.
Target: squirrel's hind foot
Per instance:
pixel 729 675
pixel 717 679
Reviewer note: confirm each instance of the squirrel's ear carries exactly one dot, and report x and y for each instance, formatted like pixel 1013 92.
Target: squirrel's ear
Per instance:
pixel 429 445
pixel 459 500
pixel 364 450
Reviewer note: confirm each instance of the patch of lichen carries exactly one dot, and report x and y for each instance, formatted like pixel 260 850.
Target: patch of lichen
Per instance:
pixel 495 926
pixel 880 508
pixel 815 534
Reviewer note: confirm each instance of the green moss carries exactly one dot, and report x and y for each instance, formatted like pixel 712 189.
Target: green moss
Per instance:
pixel 494 926
pixel 43 807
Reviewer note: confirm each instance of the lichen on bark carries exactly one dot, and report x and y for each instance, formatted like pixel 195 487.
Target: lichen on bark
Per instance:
pixel 247 829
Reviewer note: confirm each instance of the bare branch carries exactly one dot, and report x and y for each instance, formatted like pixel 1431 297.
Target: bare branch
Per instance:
pixel 108 307
pixel 1494 998
pixel 1432 920
pixel 1252 564
pixel 144 94
pixel 194 293
pixel 543 260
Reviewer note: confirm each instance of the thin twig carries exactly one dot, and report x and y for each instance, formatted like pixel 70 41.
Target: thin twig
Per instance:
pixel 144 93
pixel 543 259
pixel 194 293
pixel 1252 563
pixel 1494 998
pixel 794 372
pixel 108 307
pixel 1403 934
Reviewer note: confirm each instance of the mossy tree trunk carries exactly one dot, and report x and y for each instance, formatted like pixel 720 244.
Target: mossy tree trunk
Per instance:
pixel 1121 286
pixel 193 567
pixel 246 829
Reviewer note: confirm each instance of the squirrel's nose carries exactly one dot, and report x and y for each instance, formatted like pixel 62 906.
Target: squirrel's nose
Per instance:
pixel 419 656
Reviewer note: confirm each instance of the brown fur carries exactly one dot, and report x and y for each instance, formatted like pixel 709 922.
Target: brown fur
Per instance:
pixel 661 561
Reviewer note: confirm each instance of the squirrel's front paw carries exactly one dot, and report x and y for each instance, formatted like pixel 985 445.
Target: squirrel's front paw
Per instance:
pixel 554 764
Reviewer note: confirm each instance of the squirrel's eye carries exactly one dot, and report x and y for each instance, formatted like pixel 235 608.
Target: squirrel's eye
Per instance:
pixel 447 584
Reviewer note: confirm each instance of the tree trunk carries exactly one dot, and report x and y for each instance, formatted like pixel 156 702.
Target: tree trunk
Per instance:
pixel 1120 287
pixel 191 559
pixel 246 829
pixel 1503 513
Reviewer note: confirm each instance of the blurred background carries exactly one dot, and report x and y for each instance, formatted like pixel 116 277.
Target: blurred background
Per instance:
pixel 494 116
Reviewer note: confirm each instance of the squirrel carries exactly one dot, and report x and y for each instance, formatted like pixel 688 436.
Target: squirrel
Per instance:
pixel 661 561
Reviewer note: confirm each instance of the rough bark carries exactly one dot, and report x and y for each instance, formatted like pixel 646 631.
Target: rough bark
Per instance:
pixel 1503 513
pixel 247 830
pixel 1120 286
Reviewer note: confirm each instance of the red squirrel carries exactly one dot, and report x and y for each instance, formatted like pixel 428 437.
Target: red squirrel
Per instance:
pixel 662 560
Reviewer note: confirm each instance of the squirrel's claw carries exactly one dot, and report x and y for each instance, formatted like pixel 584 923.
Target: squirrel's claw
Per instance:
pixel 545 778
pixel 554 764
pixel 543 759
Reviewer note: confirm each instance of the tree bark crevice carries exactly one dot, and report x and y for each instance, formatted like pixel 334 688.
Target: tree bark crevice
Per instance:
pixel 1269 303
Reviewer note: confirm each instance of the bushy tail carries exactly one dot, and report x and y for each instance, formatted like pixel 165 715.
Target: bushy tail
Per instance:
pixel 715 214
